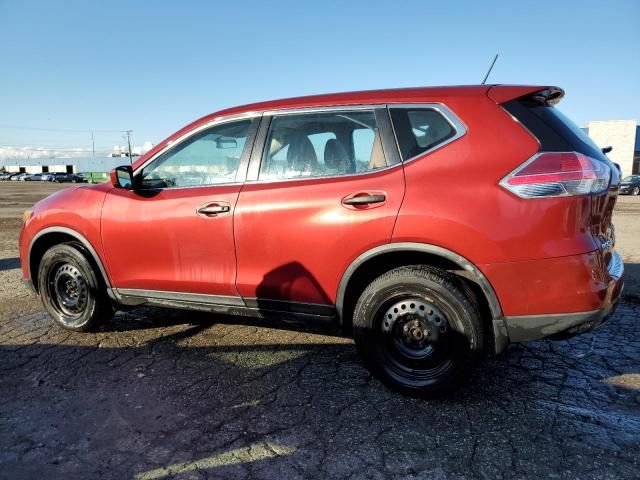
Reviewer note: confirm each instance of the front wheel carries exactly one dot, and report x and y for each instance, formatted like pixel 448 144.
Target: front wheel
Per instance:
pixel 417 330
pixel 636 191
pixel 70 290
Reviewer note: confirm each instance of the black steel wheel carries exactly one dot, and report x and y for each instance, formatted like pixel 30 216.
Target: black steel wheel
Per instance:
pixel 418 331
pixel 70 290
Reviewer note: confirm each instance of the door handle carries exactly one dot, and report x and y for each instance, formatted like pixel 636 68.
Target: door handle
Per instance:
pixel 213 209
pixel 364 199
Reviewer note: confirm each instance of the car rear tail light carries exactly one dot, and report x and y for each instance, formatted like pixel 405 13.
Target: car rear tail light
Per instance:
pixel 558 174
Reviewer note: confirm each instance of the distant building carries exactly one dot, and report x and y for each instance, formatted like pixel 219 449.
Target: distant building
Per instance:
pixel 68 165
pixel 624 137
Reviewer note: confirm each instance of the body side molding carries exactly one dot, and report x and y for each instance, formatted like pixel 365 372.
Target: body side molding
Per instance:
pixel 224 304
pixel 136 296
pixel 78 236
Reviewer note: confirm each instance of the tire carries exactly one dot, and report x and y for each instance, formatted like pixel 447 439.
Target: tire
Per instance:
pixel 635 191
pixel 417 331
pixel 70 289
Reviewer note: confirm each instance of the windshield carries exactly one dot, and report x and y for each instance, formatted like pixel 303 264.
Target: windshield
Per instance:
pixel 631 178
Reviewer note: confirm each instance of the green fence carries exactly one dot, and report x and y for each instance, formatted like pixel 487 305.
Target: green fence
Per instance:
pixel 96 177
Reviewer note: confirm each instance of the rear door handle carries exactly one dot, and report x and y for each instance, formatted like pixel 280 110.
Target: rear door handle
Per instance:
pixel 367 199
pixel 213 209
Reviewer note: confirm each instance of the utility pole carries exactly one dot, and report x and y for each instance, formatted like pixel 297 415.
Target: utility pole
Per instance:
pixel 128 135
pixel 93 147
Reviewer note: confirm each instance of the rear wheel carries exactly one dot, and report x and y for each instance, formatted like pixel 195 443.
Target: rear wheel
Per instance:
pixel 636 190
pixel 417 330
pixel 70 290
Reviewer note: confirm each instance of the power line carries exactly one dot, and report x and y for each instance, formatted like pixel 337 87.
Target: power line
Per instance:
pixel 14 127
pixel 54 150
pixel 64 146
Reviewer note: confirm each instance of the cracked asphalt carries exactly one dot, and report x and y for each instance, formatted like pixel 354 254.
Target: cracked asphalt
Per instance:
pixel 170 394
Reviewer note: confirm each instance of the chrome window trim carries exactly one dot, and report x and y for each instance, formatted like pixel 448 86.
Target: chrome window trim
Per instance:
pixel 522 125
pixel 212 123
pixel 210 185
pixel 323 177
pixel 320 109
pixel 458 125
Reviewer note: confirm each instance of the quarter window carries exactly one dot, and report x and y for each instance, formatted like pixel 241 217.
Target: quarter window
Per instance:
pixel 419 130
pixel 209 157
pixel 322 144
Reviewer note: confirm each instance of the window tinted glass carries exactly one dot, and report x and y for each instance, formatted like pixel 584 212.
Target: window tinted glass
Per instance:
pixel 208 158
pixel 321 144
pixel 554 131
pixel 419 130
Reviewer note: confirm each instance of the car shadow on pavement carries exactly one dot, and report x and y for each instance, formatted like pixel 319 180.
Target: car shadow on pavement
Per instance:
pixel 9 263
pixel 632 282
pixel 241 400
pixel 142 318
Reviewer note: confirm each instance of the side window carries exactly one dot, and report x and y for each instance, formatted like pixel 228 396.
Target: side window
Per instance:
pixel 209 157
pixel 419 130
pixel 321 144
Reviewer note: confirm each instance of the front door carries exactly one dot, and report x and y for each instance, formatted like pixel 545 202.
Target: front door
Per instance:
pixel 328 186
pixel 174 231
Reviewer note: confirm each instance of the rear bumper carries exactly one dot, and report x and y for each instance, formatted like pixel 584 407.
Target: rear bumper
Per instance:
pixel 523 328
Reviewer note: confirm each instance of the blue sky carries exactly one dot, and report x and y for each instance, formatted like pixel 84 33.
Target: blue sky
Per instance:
pixel 153 66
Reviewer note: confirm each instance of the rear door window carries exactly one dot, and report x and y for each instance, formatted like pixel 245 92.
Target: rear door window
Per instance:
pixel 322 144
pixel 419 130
pixel 554 131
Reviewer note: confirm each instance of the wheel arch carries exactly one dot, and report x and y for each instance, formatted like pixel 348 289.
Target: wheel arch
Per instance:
pixel 50 236
pixel 376 261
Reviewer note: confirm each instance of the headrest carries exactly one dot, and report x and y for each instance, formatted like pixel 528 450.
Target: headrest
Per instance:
pixel 335 156
pixel 301 156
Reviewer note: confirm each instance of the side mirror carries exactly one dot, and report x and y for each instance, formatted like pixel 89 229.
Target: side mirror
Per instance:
pixel 122 177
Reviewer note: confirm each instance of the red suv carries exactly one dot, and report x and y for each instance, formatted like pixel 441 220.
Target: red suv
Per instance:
pixel 435 224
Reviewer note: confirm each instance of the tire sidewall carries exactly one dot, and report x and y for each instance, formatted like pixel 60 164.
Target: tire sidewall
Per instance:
pixel 58 255
pixel 462 317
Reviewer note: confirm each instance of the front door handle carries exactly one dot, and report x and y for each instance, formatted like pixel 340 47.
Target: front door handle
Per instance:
pixel 367 199
pixel 213 209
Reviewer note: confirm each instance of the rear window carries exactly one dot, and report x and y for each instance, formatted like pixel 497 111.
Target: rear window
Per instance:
pixel 555 131
pixel 419 130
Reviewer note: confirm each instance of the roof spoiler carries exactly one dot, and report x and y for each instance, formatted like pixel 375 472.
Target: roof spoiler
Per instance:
pixel 545 95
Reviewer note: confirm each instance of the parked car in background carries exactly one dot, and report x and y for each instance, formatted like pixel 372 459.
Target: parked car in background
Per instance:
pixel 51 177
pixel 5 175
pixel 342 207
pixel 35 177
pixel 19 176
pixel 61 177
pixel 630 185
pixel 75 178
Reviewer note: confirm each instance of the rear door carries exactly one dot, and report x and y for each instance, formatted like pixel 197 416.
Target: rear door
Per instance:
pixel 323 187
